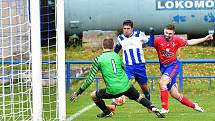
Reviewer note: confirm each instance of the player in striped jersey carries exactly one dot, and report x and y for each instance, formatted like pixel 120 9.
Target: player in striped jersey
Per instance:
pixel 167 46
pixel 116 81
pixel 131 42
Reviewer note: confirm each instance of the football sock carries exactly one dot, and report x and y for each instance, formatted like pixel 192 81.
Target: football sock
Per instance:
pixel 164 97
pixel 145 102
pixel 185 101
pixel 147 95
pixel 145 91
pixel 102 106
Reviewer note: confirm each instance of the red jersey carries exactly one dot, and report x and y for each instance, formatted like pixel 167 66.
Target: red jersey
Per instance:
pixel 167 50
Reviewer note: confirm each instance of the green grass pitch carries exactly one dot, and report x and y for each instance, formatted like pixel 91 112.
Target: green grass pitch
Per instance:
pixel 132 111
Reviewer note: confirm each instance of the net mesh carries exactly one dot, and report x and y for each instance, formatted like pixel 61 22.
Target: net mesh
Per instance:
pixel 15 55
pixel 49 57
pixel 15 79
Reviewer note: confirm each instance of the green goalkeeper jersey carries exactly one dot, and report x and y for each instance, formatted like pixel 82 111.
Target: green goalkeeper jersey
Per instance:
pixel 114 76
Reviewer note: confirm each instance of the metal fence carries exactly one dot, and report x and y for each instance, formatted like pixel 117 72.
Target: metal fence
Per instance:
pixel 70 64
pixel 70 74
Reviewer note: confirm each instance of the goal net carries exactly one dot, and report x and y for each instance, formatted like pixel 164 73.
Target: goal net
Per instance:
pixel 32 75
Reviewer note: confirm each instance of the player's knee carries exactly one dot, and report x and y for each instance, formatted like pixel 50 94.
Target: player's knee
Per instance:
pixel 93 94
pixel 164 80
pixel 144 87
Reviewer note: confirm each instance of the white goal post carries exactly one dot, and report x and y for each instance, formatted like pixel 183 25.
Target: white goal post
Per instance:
pixel 36 60
pixel 32 55
pixel 60 60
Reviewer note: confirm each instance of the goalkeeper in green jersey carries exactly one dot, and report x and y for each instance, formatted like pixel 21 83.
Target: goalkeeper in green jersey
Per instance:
pixel 116 81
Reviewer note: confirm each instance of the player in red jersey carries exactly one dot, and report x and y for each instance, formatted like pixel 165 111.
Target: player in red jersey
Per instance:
pixel 167 46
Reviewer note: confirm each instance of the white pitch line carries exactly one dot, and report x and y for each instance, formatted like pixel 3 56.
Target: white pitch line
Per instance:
pixel 80 112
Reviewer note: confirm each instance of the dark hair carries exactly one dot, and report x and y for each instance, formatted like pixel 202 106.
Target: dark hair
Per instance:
pixel 128 23
pixel 170 27
pixel 108 43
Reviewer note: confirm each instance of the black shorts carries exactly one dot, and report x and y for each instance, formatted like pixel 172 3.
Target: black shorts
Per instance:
pixel 131 93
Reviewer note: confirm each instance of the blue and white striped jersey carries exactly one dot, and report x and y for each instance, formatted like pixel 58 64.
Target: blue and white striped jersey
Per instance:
pixel 132 47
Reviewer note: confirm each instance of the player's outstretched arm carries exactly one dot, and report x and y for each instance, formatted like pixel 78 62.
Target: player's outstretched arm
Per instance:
pixel 150 42
pixel 200 40
pixel 88 81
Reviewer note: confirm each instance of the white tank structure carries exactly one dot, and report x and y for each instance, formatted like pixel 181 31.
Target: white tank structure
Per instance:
pixel 194 17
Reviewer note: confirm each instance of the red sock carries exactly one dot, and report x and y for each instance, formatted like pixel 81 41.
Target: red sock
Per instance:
pixel 185 101
pixel 164 97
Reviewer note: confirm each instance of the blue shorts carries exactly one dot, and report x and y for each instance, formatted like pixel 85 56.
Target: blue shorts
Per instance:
pixel 171 71
pixel 138 71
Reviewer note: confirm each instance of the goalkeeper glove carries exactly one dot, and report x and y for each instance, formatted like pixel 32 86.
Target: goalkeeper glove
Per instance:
pixel 76 94
pixel 73 97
